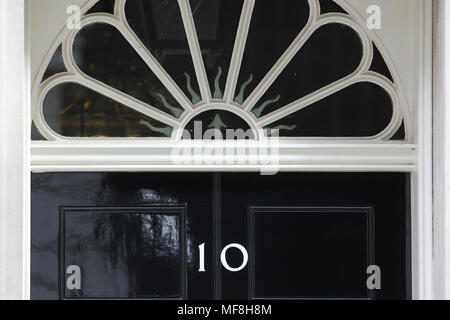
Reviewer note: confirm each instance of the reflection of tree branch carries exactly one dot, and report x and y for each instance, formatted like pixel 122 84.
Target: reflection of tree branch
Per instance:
pixel 197 7
pixel 144 19
pixel 159 7
pixel 169 16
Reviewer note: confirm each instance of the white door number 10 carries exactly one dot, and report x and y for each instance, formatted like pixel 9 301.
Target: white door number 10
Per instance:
pixel 223 257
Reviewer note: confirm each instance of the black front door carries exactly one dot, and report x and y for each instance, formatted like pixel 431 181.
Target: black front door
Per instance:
pixel 220 236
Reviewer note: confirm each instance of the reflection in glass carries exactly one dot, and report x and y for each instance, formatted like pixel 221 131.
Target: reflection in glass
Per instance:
pixel 333 52
pixel 102 53
pixel 72 110
pixel 159 25
pixel 216 24
pixel 274 25
pixel 361 110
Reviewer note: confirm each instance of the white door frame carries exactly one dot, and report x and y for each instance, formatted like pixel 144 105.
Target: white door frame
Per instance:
pixel 428 259
pixel 14 153
pixel 441 148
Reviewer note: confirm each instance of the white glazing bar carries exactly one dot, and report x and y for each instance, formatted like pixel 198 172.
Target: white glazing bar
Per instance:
pixel 196 53
pixel 238 51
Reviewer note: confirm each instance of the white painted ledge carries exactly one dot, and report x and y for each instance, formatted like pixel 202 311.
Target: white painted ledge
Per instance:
pixel 159 156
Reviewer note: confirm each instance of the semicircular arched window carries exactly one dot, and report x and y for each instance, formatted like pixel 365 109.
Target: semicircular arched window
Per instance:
pixel 150 69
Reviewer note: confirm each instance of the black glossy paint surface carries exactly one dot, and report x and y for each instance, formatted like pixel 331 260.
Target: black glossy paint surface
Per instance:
pixel 136 235
pixel 124 252
pixel 386 193
pixel 310 252
pixel 53 191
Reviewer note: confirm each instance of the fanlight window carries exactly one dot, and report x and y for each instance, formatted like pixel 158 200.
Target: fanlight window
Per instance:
pixel 148 69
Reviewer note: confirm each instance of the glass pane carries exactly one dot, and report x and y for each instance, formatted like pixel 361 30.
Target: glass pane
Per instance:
pixel 361 110
pixel 333 52
pixel 76 111
pixel 400 134
pixel 56 64
pixel 274 25
pixel 123 254
pixel 103 6
pixel 102 53
pixel 379 65
pixel 159 25
pixel 216 23
pixel 208 124
pixel 35 134
pixel 329 6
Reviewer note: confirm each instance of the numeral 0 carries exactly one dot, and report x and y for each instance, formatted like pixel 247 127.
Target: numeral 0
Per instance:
pixel 223 257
